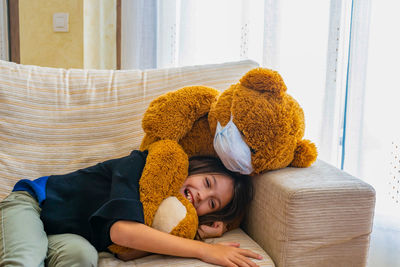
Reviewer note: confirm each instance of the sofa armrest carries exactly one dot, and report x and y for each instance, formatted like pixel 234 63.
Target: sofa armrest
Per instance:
pixel 316 216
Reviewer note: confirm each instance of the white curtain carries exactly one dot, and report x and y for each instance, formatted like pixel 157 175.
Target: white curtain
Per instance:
pixel 339 59
pixel 296 44
pixel 286 35
pixel 372 131
pixel 138 34
pixel 169 33
pixel 3 30
pixel 99 34
pixel 210 31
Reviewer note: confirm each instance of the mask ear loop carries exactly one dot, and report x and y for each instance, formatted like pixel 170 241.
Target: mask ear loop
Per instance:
pixel 219 128
pixel 230 121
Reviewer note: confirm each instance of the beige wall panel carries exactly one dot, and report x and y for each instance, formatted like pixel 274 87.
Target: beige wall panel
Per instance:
pixel 40 45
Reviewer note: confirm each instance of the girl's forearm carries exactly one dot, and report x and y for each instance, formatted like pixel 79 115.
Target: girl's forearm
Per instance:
pixel 142 237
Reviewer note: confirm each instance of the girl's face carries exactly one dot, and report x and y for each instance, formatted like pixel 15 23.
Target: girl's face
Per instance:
pixel 208 192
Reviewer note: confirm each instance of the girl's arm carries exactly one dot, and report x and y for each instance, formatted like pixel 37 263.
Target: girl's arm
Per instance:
pixel 216 229
pixel 142 237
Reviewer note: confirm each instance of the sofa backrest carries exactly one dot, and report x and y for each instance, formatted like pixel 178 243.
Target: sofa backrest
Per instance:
pixel 54 120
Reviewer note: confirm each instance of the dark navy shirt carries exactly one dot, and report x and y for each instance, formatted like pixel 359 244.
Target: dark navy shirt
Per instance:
pixel 88 201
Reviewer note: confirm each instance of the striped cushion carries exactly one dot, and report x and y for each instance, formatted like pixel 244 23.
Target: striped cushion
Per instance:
pixel 53 121
pixel 237 235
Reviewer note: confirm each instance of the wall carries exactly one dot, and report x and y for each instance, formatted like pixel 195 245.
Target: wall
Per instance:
pixel 90 42
pixel 39 45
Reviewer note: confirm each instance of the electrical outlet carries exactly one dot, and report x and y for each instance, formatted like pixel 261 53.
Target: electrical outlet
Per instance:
pixel 60 22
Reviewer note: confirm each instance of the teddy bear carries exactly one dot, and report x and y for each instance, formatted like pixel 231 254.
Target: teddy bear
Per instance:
pixel 268 125
pixel 265 119
pixel 164 208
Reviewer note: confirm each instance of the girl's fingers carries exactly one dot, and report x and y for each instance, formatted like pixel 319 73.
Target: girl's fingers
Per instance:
pixel 244 252
pixel 246 262
pixel 215 230
pixel 251 254
pixel 230 255
pixel 241 262
pixel 241 258
pixel 232 264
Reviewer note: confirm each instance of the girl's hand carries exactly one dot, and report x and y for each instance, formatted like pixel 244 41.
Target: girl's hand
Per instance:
pixel 142 237
pixel 230 255
pixel 217 229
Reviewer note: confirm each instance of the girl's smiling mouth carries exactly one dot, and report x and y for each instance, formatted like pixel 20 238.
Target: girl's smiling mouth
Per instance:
pixel 188 195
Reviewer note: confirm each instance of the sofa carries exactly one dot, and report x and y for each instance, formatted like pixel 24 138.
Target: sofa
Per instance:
pixel 54 120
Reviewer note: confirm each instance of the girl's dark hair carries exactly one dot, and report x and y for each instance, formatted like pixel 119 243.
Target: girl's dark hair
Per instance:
pixel 234 211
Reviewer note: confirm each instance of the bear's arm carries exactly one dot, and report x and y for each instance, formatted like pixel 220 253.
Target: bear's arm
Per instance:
pixel 165 171
pixel 172 115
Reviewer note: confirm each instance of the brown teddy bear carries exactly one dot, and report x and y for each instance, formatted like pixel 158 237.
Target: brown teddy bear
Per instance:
pixel 164 208
pixel 269 121
pixel 263 124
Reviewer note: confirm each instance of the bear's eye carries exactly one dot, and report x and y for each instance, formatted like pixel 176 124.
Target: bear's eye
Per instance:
pixel 253 151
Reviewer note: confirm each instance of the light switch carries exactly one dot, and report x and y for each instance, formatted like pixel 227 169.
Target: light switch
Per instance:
pixel 60 22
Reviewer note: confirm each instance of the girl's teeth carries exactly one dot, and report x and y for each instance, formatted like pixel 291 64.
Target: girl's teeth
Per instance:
pixel 188 196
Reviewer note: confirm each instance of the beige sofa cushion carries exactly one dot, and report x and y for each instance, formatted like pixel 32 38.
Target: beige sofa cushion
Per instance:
pixel 53 121
pixel 316 216
pixel 237 235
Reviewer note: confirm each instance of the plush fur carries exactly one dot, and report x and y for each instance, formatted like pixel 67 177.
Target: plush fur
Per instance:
pixel 270 120
pixel 165 171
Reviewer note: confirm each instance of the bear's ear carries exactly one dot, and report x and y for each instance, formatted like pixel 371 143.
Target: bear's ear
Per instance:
pixel 305 154
pixel 261 79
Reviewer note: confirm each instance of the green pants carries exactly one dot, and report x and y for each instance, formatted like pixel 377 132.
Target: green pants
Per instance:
pixel 23 241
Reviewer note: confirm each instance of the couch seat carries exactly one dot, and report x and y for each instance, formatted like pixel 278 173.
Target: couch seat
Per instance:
pixel 237 235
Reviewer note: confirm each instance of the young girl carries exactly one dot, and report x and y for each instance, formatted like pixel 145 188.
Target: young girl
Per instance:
pixel 63 220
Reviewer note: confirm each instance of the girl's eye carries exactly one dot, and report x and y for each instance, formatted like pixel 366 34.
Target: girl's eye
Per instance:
pixel 212 203
pixel 207 182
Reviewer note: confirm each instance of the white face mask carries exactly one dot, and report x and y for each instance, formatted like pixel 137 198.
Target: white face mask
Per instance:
pixel 231 148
